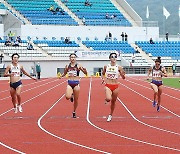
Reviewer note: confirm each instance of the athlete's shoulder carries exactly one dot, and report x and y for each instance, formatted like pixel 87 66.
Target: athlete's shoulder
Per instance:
pixel 9 66
pixel 119 66
pixel 108 65
pixel 67 65
pixel 20 66
pixel 78 65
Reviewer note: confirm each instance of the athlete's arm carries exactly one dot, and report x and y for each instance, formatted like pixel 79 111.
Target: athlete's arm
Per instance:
pixel 103 74
pixel 25 73
pixel 6 73
pixel 149 72
pixel 164 73
pixel 122 72
pixel 83 69
pixel 65 71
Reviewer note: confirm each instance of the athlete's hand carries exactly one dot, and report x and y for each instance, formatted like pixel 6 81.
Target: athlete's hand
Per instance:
pixel 102 82
pixel 123 77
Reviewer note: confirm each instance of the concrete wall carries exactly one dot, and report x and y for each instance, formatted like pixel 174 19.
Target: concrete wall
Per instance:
pixel 130 11
pixel 1 30
pixel 134 33
pixel 49 68
pixel 11 23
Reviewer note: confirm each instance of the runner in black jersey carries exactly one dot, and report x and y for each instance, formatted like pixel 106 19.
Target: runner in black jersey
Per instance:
pixel 72 70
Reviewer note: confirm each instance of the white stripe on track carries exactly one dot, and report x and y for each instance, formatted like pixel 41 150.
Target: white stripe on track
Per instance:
pixel 148 82
pixel 122 136
pixel 34 97
pixel 151 89
pixel 8 147
pixel 151 100
pixel 31 89
pixel 171 132
pixel 24 85
pixel 63 139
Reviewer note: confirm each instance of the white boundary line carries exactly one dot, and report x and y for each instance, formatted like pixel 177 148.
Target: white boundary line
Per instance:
pixel 8 147
pixel 132 115
pixel 63 139
pixel 151 89
pixel 163 85
pixel 24 85
pixel 125 137
pixel 31 89
pixel 34 97
pixel 150 100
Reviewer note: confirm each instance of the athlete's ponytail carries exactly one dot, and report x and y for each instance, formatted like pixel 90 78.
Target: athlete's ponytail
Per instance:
pixel 158 60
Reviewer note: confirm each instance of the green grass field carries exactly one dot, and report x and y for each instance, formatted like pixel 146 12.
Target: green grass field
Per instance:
pixel 172 82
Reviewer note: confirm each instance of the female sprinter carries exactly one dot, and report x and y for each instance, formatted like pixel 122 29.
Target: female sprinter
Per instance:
pixel 158 72
pixel 13 71
pixel 73 88
pixel 110 76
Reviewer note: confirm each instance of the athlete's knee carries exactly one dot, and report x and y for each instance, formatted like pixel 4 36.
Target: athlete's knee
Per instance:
pixel 68 97
pixel 156 92
pixel 159 94
pixel 108 99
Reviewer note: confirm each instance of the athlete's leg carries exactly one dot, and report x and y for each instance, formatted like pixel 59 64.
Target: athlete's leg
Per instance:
pixel 18 92
pixel 13 96
pixel 159 94
pixel 108 94
pixel 113 101
pixel 76 96
pixel 69 92
pixel 155 89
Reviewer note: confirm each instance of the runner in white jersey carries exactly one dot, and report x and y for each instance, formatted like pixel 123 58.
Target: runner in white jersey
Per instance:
pixel 14 71
pixel 72 91
pixel 110 75
pixel 158 72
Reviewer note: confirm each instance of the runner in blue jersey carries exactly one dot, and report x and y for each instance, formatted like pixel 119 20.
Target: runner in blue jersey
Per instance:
pixel 157 71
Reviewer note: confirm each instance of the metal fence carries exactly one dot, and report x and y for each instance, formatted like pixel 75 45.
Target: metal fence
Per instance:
pixel 144 70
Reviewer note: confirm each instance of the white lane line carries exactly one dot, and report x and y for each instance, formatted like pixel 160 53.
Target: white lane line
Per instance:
pixel 22 104
pixel 63 139
pixel 31 88
pixel 150 100
pixel 8 147
pixel 34 97
pixel 24 85
pixel 151 89
pixel 122 136
pixel 148 82
pixel 143 122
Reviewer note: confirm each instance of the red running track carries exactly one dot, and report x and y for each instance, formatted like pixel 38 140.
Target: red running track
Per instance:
pixel 46 126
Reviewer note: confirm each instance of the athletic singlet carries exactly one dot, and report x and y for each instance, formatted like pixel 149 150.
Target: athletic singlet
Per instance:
pixel 73 71
pixel 112 72
pixel 15 70
pixel 156 72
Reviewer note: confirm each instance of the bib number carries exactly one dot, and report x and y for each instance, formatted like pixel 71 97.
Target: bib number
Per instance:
pixel 111 76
